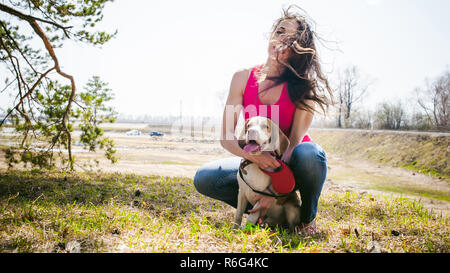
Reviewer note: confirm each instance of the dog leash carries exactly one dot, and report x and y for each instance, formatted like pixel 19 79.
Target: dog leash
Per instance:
pixel 243 164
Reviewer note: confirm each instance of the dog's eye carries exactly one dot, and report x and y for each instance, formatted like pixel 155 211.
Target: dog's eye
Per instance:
pixel 264 126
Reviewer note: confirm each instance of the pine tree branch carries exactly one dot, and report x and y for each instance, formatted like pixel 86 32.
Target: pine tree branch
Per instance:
pixel 30 18
pixel 51 51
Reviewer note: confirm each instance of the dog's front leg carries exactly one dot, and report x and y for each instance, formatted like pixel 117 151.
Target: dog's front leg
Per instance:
pixel 253 217
pixel 241 206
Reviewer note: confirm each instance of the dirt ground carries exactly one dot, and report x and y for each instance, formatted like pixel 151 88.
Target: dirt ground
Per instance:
pixel 182 156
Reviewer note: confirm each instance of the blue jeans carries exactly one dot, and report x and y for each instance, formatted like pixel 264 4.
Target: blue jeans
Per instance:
pixel 217 179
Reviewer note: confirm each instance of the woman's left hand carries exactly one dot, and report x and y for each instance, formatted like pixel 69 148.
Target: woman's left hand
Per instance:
pixel 265 202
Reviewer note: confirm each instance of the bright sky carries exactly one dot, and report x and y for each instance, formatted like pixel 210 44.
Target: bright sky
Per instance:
pixel 167 51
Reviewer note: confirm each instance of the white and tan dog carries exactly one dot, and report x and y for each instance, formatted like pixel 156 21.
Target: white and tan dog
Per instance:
pixel 262 135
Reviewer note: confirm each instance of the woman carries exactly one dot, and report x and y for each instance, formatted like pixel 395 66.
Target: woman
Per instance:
pixel 291 80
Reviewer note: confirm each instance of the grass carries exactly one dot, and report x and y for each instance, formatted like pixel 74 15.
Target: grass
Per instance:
pixel 45 211
pixel 381 182
pixel 416 191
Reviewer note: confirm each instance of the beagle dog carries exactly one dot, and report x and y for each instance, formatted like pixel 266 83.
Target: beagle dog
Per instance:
pixel 262 135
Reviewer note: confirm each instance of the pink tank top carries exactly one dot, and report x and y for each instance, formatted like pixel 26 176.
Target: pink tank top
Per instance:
pixel 254 107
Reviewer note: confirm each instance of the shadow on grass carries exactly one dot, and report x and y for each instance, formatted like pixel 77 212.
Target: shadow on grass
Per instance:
pixel 49 208
pixel 172 198
pixel 152 193
pixel 44 211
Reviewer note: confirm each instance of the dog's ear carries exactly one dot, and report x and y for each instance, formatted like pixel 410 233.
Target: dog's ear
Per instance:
pixel 280 140
pixel 284 143
pixel 241 139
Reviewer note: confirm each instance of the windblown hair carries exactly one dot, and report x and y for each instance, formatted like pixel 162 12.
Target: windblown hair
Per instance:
pixel 303 74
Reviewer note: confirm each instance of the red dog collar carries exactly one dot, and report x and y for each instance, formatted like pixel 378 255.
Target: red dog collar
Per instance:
pixel 283 180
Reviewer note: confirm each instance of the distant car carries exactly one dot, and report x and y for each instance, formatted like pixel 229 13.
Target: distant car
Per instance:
pixel 155 133
pixel 134 133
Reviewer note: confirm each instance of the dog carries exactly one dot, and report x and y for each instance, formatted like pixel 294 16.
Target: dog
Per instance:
pixel 262 135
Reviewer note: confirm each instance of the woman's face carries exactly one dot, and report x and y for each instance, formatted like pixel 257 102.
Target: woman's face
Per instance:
pixel 279 42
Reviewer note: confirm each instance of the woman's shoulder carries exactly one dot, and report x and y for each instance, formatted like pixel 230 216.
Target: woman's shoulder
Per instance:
pixel 243 74
pixel 240 79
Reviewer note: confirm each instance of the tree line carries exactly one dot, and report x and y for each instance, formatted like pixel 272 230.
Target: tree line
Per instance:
pixel 429 110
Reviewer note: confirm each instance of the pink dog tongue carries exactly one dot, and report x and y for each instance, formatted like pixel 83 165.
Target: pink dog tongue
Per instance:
pixel 251 148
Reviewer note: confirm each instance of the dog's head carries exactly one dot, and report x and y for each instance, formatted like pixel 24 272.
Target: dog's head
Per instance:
pixel 261 134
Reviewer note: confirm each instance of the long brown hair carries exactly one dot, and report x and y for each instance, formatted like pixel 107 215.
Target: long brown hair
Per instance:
pixel 303 71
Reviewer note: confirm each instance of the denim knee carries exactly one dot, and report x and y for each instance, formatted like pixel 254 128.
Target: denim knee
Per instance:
pixel 306 154
pixel 217 179
pixel 309 164
pixel 199 182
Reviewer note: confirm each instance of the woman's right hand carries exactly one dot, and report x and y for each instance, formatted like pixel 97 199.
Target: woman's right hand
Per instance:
pixel 263 161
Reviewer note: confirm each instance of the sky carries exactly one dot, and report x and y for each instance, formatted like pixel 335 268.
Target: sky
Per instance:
pixel 171 51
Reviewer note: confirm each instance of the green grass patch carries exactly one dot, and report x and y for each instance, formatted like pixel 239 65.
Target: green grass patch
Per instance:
pixel 47 212
pixel 409 190
pixel 383 183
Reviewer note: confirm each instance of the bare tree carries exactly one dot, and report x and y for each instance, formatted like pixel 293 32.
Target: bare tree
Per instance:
pixel 362 119
pixel 390 115
pixel 420 121
pixel 435 101
pixel 351 89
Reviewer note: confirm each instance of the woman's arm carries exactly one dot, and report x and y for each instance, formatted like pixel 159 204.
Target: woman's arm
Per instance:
pixel 233 108
pixel 300 124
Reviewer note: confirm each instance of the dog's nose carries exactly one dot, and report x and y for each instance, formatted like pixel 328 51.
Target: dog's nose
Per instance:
pixel 252 134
